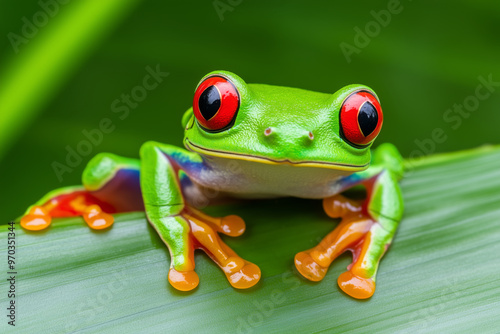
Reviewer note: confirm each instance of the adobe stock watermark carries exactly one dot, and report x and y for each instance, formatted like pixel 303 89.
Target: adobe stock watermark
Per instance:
pixel 454 117
pixel 121 107
pixel 424 317
pixel 264 309
pixel 223 6
pixel 87 310
pixel 372 29
pixel 31 26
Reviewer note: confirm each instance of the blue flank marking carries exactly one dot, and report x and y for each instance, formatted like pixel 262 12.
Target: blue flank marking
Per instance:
pixel 350 181
pixel 185 162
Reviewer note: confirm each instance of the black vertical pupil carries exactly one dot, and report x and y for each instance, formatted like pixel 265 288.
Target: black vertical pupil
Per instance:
pixel 209 102
pixel 367 118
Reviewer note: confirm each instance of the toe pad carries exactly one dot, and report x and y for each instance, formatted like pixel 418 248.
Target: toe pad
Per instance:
pixel 355 286
pixel 37 219
pixel 183 280
pixel 246 277
pixel 309 268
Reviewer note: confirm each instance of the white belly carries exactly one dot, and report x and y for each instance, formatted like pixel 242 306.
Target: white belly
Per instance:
pixel 250 179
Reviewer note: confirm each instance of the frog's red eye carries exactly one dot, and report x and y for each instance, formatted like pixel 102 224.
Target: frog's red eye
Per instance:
pixel 216 103
pixel 360 118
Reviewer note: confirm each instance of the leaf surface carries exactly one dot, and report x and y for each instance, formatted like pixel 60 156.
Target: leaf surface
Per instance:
pixel 440 274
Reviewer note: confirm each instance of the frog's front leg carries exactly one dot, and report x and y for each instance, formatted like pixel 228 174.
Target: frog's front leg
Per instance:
pixel 366 229
pixel 183 228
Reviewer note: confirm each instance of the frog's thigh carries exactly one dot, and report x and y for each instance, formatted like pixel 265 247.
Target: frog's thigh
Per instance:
pixel 114 180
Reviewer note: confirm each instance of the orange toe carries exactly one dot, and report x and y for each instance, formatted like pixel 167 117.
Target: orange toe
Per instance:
pixel 96 218
pixel 183 280
pixel 355 286
pixel 246 277
pixel 233 225
pixel 309 268
pixel 37 219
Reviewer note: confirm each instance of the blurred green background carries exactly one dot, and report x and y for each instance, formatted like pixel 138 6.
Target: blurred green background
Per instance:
pixel 66 77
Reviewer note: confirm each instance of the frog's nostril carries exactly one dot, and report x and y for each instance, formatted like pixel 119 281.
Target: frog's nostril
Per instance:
pixel 288 135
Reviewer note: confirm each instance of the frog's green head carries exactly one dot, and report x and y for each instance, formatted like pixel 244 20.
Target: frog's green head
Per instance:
pixel 280 125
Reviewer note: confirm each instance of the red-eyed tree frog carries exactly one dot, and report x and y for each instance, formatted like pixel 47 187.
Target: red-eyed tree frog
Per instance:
pixel 252 141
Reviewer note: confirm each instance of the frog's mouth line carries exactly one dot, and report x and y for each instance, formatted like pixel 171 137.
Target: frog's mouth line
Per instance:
pixel 221 154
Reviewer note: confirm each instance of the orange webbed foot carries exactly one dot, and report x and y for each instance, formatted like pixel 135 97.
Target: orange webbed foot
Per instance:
pixel 39 217
pixel 353 234
pixel 240 273
pixel 97 219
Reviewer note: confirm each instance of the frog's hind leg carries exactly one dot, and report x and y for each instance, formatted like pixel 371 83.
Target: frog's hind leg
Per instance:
pixel 110 185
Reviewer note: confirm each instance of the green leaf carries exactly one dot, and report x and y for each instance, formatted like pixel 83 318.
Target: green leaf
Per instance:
pixel 41 67
pixel 440 275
